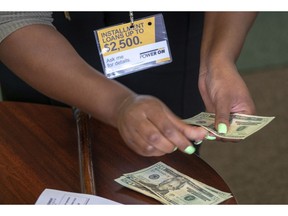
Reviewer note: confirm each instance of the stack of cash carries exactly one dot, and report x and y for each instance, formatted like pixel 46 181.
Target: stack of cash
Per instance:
pixel 241 126
pixel 171 187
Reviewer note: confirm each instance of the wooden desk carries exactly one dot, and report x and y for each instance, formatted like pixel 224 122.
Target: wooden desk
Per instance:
pixel 38 150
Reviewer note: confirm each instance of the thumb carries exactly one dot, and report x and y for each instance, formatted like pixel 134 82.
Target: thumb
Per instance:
pixel 222 116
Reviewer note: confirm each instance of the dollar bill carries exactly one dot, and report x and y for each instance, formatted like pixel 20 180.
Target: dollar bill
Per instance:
pixel 222 194
pixel 172 187
pixel 126 182
pixel 241 126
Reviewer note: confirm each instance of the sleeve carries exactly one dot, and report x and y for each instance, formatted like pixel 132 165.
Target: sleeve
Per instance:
pixel 12 21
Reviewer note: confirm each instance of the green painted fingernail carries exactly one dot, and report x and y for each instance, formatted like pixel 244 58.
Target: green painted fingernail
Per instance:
pixel 222 128
pixel 175 149
pixel 209 137
pixel 189 150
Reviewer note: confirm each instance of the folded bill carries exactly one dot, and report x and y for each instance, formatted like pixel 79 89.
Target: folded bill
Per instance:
pixel 241 126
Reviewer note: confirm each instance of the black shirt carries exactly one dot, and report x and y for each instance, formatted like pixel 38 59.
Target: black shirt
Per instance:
pixel 176 83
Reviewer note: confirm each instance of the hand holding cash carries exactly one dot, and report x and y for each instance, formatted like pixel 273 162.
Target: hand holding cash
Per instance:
pixel 241 126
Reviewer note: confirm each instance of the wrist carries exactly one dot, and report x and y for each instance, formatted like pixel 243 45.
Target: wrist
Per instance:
pixel 121 106
pixel 217 63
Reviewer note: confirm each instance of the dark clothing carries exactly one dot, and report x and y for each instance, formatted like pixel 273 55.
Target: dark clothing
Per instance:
pixel 174 83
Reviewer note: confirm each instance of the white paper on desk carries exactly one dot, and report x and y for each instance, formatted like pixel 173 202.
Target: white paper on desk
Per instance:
pixel 58 197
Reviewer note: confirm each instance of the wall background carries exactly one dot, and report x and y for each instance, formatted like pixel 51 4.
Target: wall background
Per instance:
pixel 266 45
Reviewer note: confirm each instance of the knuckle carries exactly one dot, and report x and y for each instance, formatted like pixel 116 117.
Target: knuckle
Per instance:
pixel 148 149
pixel 168 132
pixel 153 138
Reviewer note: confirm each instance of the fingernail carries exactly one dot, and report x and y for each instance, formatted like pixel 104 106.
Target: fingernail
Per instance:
pixel 222 128
pixel 189 150
pixel 175 149
pixel 209 137
pixel 197 142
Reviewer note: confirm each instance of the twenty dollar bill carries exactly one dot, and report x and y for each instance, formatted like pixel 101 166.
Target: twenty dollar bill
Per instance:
pixel 169 186
pixel 241 126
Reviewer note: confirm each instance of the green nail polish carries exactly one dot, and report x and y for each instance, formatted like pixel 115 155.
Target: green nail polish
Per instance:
pixel 222 128
pixel 189 150
pixel 175 149
pixel 208 137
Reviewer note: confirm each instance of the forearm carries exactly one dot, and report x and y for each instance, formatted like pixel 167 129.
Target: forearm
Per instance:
pixel 221 86
pixel 44 59
pixel 224 34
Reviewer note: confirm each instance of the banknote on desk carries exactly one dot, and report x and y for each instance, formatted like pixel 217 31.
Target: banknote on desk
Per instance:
pixel 241 126
pixel 171 187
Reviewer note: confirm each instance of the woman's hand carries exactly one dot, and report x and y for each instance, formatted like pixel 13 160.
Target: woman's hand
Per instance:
pixel 224 92
pixel 150 129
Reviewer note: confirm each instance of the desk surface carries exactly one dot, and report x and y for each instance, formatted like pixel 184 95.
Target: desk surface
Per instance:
pixel 38 150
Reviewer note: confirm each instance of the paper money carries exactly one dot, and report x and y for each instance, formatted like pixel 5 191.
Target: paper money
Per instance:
pixel 241 126
pixel 126 182
pixel 169 186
